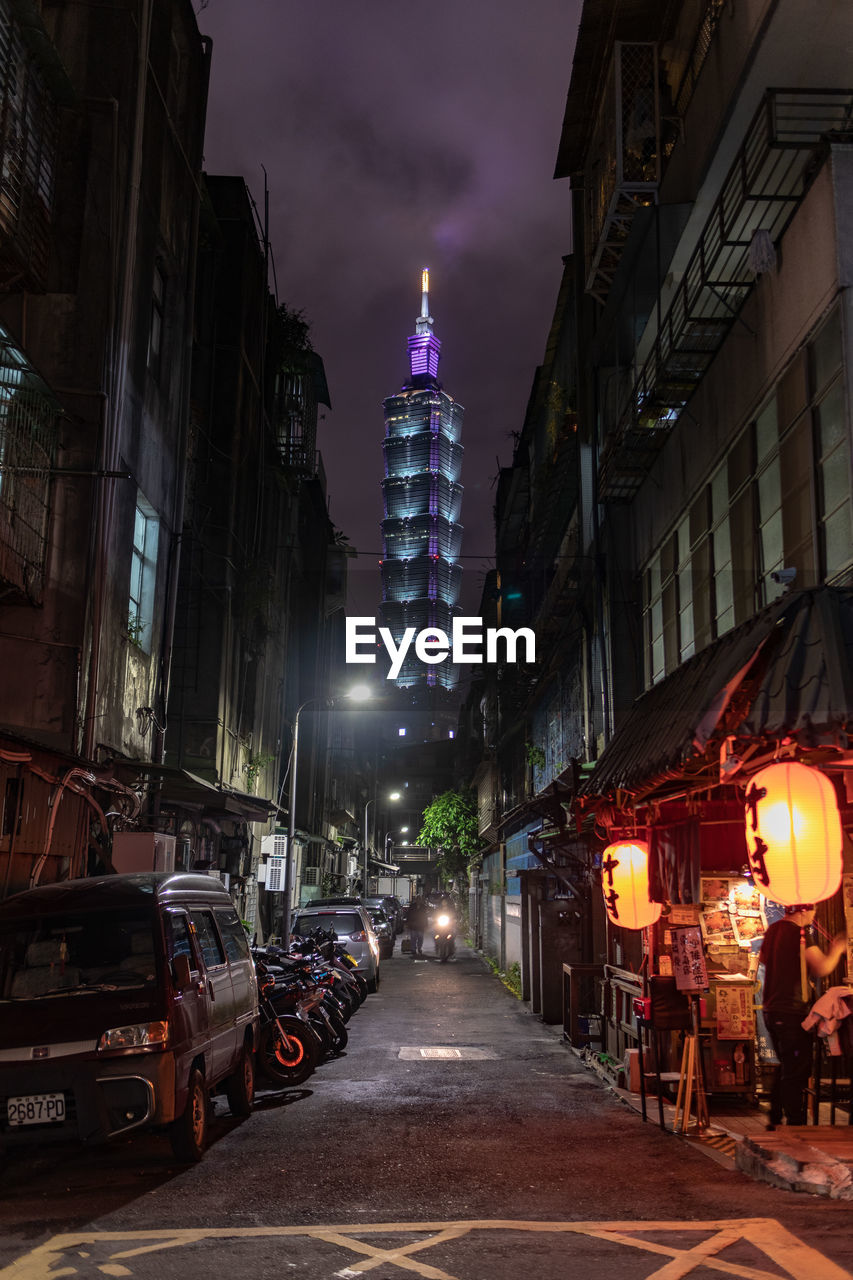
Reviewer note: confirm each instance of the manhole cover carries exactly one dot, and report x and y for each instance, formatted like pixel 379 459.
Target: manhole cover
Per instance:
pixel 444 1052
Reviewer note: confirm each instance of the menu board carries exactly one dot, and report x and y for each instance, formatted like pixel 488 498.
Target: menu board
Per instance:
pixel 733 913
pixel 688 960
pixel 735 1010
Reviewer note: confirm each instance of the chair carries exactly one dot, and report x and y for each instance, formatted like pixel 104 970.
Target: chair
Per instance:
pixel 664 1009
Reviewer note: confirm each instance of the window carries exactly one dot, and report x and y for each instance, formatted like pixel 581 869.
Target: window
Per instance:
pixel 233 934
pixel 158 314
pixel 208 939
pixel 143 574
pixel 782 497
pixel 686 646
pixel 178 936
pixel 832 451
pixel 721 541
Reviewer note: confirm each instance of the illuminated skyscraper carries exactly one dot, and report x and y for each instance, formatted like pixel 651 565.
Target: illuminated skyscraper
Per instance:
pixel 421 534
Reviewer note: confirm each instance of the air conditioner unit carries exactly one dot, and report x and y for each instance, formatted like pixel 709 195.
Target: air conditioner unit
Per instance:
pixel 275 874
pixel 274 846
pixel 311 875
pixel 143 851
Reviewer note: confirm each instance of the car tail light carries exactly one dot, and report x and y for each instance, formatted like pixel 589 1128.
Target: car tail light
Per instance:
pixel 358 937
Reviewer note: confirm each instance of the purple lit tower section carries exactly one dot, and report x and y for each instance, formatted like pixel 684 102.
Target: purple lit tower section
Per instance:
pixel 421 534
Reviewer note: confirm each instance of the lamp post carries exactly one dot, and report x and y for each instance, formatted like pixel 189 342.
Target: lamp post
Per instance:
pixel 395 795
pixel 360 693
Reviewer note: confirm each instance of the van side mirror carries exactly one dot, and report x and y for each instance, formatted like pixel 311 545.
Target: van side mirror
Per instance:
pixel 181 971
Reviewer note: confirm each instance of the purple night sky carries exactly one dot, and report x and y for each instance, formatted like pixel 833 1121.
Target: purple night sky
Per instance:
pixel 397 136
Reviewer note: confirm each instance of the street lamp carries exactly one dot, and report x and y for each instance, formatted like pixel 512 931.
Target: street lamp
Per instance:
pixel 395 795
pixel 359 693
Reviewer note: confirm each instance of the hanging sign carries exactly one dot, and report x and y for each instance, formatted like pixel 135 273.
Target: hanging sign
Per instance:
pixel 688 960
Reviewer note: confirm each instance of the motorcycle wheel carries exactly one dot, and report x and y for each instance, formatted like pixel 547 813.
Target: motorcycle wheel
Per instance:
pixel 323 1033
pixel 361 984
pixel 285 1066
pixel 340 1033
pixel 344 998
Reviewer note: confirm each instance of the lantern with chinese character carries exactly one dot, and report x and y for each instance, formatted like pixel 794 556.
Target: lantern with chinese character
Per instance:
pixel 625 881
pixel 793 833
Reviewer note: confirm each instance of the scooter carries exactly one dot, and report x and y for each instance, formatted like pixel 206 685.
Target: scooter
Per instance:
pixel 443 935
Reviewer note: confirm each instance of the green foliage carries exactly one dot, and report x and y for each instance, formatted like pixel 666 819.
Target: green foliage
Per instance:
pixel 135 628
pixel 294 330
pixel 450 826
pixel 534 755
pixel 511 978
pixel 253 767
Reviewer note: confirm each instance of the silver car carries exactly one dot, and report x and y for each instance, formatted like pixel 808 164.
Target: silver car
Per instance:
pixel 352 926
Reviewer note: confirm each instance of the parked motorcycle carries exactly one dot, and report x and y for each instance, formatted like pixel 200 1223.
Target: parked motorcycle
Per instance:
pixel 301 980
pixel 289 1049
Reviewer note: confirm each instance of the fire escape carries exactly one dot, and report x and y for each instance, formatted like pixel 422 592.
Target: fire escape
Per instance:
pixel 768 179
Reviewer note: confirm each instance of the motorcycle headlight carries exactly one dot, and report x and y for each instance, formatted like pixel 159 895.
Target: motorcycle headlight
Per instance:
pixel 145 1035
pixel 443 922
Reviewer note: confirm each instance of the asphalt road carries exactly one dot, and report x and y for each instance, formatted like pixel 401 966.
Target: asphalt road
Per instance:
pixel 457 1139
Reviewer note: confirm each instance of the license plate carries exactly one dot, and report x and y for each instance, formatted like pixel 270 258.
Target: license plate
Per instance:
pixel 36 1108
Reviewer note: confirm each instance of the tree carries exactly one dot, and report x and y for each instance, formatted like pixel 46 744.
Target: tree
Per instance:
pixel 450 826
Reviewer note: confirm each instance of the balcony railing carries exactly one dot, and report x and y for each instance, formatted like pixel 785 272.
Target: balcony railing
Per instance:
pixel 624 169
pixel 28 414
pixel 28 144
pixel 764 186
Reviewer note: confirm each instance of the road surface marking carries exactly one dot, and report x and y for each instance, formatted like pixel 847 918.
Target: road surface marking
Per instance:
pixel 89 1253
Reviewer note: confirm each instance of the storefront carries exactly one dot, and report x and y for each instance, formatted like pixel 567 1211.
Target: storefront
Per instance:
pixel 678 783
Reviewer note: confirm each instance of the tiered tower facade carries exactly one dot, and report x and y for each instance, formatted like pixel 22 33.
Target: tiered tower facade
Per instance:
pixel 421 533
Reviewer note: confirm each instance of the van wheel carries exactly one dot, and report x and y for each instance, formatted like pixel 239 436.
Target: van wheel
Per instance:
pixel 188 1133
pixel 240 1087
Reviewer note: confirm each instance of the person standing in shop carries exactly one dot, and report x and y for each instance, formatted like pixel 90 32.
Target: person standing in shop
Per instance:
pixel 788 959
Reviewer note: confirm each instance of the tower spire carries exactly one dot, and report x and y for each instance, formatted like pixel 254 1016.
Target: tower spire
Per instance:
pixel 425 321
pixel 424 346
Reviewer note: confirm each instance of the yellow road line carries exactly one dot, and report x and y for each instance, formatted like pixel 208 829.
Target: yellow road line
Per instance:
pixel 59 1257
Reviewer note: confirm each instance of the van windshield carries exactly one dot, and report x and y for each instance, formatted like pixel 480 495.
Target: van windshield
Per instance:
pixel 77 952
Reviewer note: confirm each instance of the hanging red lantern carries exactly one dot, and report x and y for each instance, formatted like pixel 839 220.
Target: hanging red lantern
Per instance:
pixel 793 833
pixel 625 882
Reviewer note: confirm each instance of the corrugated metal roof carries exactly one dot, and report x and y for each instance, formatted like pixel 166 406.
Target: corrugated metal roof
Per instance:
pixel 794 663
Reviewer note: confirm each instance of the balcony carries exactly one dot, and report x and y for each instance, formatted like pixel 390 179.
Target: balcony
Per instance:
pixel 624 160
pixel 28 146
pixel 767 181
pixel 28 414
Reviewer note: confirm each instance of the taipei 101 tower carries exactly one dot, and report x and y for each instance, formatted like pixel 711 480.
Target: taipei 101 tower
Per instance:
pixel 421 534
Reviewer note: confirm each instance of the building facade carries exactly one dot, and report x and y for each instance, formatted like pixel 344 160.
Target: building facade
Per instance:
pixel 693 607
pixel 103 120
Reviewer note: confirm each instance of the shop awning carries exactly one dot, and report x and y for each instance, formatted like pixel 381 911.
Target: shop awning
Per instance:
pixel 180 787
pixel 786 672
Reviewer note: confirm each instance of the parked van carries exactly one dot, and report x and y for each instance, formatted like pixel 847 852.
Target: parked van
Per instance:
pixel 124 1001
